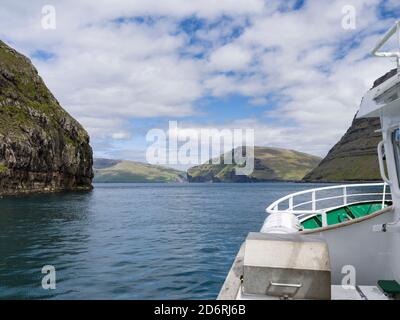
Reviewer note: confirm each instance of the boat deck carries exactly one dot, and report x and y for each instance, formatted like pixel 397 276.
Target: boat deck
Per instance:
pixel 231 289
pixel 326 212
pixel 337 293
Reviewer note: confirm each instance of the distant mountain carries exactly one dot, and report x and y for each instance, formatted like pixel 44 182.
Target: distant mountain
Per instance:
pixel 270 164
pixel 354 157
pixel 109 170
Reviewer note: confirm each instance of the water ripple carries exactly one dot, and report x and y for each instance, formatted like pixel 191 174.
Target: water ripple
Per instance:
pixel 132 241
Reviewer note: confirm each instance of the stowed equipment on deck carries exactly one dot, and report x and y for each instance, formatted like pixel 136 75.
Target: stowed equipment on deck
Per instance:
pixel 296 267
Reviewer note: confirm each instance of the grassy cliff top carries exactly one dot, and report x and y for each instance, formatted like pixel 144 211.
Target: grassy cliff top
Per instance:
pixel 26 102
pixel 269 164
pixel 41 146
pixel 354 157
pixel 108 170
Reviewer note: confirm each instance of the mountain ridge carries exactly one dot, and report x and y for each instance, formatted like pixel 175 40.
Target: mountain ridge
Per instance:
pixel 270 164
pixel 125 171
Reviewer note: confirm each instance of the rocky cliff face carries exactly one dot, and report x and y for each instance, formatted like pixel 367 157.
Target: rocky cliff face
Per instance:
pixel 42 148
pixel 354 157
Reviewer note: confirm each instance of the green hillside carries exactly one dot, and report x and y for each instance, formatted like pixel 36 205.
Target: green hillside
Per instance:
pixel 354 157
pixel 107 170
pixel 270 164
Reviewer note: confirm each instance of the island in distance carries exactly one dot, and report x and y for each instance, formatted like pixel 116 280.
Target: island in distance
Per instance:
pixel 270 164
pixel 124 171
pixel 352 159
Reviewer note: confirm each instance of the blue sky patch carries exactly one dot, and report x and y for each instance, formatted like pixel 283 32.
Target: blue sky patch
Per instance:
pixel 387 10
pixel 43 55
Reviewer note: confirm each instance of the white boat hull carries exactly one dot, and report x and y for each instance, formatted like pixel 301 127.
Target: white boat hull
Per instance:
pixel 356 245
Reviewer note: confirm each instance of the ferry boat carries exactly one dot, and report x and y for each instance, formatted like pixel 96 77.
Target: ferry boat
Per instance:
pixel 339 241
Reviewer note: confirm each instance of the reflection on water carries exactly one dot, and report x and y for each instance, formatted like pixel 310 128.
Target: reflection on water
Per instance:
pixel 130 241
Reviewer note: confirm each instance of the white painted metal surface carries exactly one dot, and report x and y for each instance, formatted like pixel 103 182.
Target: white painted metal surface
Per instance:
pixel 284 222
pixel 372 293
pixel 386 96
pixel 395 29
pixel 319 200
pixel 356 245
pixel 338 292
pixel 286 265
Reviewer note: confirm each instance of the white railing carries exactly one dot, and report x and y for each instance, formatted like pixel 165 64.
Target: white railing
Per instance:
pixel 394 30
pixel 320 200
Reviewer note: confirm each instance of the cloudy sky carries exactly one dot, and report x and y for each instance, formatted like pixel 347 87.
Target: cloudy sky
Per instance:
pixel 287 69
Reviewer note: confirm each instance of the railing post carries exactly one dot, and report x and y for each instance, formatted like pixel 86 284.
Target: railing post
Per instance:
pixel 324 219
pixel 313 204
pixel 344 195
pixel 398 43
pixel 291 203
pixel 384 195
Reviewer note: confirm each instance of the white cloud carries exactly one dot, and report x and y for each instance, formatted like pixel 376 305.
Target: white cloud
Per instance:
pixel 121 135
pixel 230 58
pixel 107 73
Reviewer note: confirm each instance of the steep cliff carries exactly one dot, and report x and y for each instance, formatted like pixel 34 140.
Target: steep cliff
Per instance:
pixel 42 148
pixel 270 164
pixel 354 157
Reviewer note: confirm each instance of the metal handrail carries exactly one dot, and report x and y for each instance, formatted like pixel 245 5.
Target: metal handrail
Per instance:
pixel 395 29
pixel 339 197
pixel 380 149
pixel 295 208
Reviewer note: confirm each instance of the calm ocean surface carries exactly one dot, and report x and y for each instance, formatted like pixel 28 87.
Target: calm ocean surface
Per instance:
pixel 130 241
